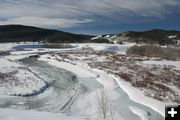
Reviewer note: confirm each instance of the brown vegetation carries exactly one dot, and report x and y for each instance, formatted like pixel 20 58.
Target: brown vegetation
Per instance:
pixel 124 76
pixel 154 51
pixel 153 80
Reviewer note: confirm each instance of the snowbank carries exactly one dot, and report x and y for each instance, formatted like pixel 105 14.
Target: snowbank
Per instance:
pixel 7 114
pixel 141 113
pixel 136 95
pixel 5 64
pixel 18 80
pixel 78 70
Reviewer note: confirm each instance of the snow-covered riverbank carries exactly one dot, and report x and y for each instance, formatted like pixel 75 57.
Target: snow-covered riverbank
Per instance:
pixel 83 70
pixel 108 81
pixel 18 80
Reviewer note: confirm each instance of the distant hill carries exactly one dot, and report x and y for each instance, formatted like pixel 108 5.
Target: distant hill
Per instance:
pixel 20 33
pixel 154 36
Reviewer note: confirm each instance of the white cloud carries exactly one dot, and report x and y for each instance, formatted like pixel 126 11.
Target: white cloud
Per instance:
pixel 45 22
pixel 64 12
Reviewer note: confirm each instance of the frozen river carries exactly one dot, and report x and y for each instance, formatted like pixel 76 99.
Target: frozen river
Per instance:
pixel 66 91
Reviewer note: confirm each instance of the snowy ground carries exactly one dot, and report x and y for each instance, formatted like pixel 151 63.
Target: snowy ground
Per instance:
pixel 6 46
pixel 105 47
pixel 107 81
pixel 17 79
pixel 141 113
pixel 76 61
pixel 7 114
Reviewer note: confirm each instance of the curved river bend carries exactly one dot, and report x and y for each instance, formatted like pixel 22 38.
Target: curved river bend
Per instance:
pixel 65 89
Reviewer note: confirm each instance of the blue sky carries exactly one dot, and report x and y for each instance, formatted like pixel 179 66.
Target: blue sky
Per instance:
pixel 92 16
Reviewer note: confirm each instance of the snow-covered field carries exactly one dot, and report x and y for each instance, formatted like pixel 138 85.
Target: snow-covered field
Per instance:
pixel 8 114
pixel 105 47
pixel 6 46
pixel 17 79
pixel 20 80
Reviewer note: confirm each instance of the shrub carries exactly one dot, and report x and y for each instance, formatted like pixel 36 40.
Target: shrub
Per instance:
pixel 124 76
pixel 154 51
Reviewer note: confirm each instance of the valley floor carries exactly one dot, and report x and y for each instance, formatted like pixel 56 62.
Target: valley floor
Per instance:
pixel 149 81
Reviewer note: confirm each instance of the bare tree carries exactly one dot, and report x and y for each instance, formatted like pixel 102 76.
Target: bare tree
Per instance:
pixel 104 106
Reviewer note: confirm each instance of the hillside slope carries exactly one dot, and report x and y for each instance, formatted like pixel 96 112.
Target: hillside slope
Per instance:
pixel 154 36
pixel 20 33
